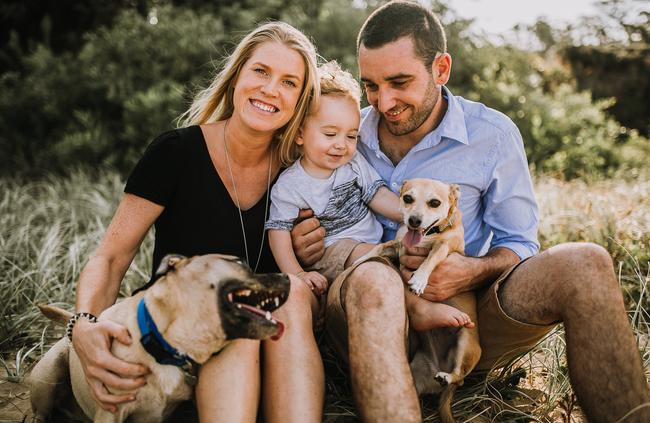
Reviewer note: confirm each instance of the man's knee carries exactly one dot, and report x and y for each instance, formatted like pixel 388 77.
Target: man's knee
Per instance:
pixel 583 269
pixel 372 285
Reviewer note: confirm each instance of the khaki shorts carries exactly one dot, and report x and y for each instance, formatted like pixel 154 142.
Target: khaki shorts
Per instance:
pixel 333 261
pixel 502 337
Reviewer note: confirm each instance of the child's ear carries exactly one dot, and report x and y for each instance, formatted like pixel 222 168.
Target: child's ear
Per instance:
pixel 299 137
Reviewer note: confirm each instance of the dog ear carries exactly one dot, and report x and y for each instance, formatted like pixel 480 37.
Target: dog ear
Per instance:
pixel 170 261
pixel 404 187
pixel 454 195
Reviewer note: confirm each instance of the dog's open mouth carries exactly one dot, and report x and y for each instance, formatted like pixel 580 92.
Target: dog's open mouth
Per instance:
pixel 414 235
pixel 251 304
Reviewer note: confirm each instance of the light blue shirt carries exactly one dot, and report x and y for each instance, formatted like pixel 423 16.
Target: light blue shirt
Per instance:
pixel 481 150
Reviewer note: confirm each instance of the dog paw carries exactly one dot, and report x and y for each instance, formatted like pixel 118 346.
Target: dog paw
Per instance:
pixel 417 284
pixel 443 378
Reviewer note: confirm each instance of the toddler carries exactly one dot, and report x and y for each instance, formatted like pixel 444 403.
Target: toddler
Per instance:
pixel 343 190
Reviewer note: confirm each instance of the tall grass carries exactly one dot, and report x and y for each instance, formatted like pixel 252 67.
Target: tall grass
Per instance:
pixel 50 227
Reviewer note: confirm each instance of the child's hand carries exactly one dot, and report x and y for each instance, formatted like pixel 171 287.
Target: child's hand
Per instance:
pixel 316 281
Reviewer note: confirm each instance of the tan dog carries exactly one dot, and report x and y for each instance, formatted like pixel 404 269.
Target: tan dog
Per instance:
pixel 432 219
pixel 198 305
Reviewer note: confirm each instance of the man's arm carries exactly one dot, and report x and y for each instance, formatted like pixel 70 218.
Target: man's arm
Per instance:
pixel 458 273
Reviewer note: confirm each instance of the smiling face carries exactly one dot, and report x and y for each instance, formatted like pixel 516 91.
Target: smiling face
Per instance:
pixel 329 136
pixel 268 87
pixel 399 86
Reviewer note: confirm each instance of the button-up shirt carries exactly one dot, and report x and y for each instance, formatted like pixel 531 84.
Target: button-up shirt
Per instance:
pixel 481 150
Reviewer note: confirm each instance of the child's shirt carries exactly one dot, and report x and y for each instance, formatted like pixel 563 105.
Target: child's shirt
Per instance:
pixel 339 202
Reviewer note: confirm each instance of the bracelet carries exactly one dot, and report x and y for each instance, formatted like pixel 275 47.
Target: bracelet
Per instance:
pixel 68 328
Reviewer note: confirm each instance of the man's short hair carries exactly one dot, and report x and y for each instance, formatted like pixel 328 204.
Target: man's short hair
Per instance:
pixel 399 19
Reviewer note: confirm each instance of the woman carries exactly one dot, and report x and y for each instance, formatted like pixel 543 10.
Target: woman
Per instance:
pixel 205 187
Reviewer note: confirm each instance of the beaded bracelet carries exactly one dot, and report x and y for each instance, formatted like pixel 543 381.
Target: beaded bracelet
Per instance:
pixel 68 328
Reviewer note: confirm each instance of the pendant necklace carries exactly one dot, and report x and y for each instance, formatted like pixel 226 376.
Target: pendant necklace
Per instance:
pixel 241 218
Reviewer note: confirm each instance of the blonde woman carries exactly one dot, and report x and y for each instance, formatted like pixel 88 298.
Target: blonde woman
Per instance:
pixel 205 187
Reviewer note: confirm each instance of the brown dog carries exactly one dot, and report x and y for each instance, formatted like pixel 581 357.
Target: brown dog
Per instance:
pixel 432 219
pixel 197 306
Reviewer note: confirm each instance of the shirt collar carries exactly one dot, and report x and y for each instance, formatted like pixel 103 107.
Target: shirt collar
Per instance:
pixel 451 127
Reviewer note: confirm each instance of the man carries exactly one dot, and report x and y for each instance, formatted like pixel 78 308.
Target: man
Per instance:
pixel 416 127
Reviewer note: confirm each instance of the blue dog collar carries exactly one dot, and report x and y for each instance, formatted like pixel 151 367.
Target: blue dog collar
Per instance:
pixel 154 343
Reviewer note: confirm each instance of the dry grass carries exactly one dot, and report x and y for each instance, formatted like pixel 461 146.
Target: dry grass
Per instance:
pixel 50 227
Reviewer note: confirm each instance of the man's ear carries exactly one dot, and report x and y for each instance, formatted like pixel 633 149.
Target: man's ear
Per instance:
pixel 441 68
pixel 168 263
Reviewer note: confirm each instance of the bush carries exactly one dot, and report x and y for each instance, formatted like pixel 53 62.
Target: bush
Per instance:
pixel 102 105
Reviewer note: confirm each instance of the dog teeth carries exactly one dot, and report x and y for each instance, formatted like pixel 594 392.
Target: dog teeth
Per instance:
pixel 244 292
pixel 238 305
pixel 268 315
pixel 277 302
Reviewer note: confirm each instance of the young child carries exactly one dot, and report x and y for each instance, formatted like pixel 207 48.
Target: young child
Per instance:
pixel 343 190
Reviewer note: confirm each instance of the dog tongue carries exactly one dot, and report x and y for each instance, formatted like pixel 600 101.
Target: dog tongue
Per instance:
pixel 280 331
pixel 262 313
pixel 412 238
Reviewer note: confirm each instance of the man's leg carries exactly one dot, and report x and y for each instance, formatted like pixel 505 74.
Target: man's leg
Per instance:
pixel 373 297
pixel 575 283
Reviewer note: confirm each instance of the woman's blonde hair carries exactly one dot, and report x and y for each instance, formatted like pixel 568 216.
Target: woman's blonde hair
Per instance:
pixel 336 81
pixel 215 103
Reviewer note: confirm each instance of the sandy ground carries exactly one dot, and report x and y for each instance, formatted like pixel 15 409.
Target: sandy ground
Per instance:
pixel 14 400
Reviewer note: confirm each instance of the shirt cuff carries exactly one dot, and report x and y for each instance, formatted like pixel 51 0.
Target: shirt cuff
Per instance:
pixel 522 250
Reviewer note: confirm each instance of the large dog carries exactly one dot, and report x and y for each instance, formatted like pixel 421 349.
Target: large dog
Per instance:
pixel 193 310
pixel 432 219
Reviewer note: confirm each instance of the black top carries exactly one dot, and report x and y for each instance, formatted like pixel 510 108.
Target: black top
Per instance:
pixel 199 216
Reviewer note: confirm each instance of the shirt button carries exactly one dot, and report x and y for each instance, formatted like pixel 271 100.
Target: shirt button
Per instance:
pixel 394 184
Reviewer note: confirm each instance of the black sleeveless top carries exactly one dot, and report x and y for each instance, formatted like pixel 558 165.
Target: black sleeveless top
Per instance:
pixel 199 216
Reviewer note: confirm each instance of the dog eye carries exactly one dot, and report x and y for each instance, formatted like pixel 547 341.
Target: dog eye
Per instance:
pixel 433 203
pixel 407 199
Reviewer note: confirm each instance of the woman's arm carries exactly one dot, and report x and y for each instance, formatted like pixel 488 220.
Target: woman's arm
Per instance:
pixel 97 289
pixel 282 249
pixel 386 203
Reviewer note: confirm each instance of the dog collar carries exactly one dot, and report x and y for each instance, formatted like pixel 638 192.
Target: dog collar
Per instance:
pixel 431 230
pixel 154 343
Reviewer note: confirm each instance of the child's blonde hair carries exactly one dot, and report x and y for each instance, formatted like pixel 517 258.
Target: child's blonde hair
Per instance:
pixel 336 81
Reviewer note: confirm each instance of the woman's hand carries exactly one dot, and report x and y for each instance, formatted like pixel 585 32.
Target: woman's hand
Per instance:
pixel 315 281
pixel 103 371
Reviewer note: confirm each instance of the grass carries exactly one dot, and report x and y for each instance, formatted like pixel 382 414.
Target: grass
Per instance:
pixel 50 226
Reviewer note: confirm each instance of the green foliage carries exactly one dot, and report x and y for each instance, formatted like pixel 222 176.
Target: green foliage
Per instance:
pixel 101 103
pixel 565 131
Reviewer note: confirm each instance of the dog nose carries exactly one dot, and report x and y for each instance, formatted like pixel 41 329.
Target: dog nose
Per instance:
pixel 414 221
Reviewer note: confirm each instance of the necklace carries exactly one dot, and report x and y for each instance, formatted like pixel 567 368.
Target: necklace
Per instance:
pixel 241 218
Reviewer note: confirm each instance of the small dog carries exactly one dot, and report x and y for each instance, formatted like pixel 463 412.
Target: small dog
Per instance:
pixel 432 219
pixel 196 306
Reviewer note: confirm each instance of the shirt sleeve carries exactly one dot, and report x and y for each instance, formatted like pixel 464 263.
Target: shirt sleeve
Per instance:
pixel 284 206
pixel 509 201
pixel 367 176
pixel 155 176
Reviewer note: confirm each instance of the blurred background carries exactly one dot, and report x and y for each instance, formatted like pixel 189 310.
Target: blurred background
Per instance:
pixel 89 83
pixel 85 85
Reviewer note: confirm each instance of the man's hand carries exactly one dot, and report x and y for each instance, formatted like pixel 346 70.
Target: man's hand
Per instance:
pixel 452 276
pixel 307 238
